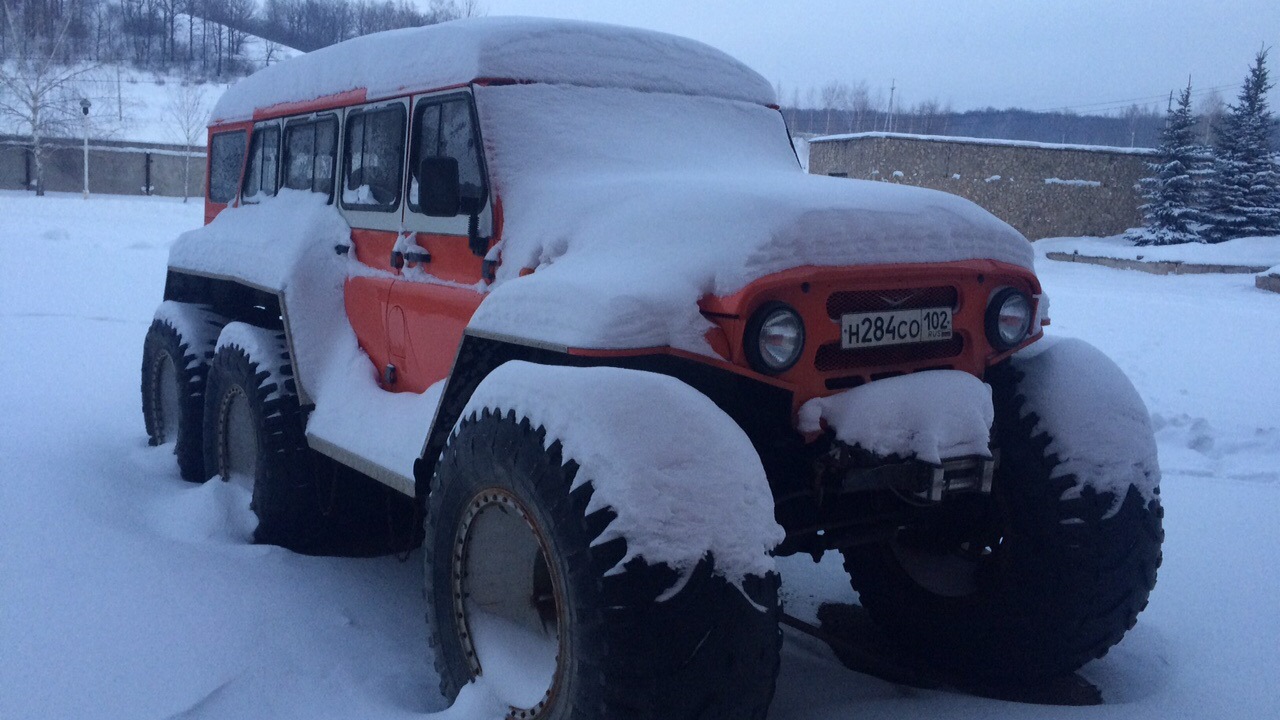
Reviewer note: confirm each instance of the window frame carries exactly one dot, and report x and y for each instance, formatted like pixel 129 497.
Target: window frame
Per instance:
pixel 412 151
pixel 261 128
pixel 344 147
pixel 313 121
pixel 236 174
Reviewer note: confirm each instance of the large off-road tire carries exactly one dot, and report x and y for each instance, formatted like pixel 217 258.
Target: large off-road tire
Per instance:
pixel 174 366
pixel 253 431
pixel 1025 586
pixel 508 535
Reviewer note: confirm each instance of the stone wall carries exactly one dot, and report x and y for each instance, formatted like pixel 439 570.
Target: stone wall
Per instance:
pixel 115 168
pixel 1042 190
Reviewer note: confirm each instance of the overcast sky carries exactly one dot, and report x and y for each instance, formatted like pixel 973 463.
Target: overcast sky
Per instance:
pixel 1088 55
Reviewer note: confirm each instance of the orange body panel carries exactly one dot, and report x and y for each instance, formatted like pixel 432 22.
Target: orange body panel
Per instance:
pixel 432 319
pixel 451 259
pixel 327 102
pixel 373 248
pixel 365 299
pixel 808 290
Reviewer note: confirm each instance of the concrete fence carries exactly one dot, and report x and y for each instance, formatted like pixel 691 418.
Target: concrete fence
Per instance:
pixel 115 167
pixel 1043 190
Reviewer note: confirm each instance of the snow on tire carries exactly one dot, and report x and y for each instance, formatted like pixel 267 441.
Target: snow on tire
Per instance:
pixel 1042 577
pixel 521 594
pixel 175 361
pixel 253 431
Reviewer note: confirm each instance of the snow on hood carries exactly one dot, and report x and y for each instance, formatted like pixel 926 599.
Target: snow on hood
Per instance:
pixel 531 49
pixel 632 206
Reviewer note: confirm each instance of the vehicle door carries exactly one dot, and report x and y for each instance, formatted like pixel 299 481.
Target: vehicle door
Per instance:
pixel 443 280
pixel 370 196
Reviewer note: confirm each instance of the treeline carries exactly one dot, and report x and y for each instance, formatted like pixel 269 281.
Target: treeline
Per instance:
pixel 199 37
pixel 841 107
pixel 311 24
pixel 1135 127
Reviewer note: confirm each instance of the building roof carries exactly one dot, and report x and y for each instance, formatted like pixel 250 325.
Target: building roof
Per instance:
pixel 398 62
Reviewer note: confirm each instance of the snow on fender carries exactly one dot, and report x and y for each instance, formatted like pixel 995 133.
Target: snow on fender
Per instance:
pixel 682 478
pixel 1100 427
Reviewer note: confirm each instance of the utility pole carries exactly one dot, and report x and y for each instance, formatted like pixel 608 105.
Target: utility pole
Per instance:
pixel 84 114
pixel 888 118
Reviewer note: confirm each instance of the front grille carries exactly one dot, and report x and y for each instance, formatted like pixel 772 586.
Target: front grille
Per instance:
pixel 831 357
pixel 856 301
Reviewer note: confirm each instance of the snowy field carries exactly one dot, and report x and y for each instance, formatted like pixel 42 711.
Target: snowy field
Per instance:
pixel 127 593
pixel 136 105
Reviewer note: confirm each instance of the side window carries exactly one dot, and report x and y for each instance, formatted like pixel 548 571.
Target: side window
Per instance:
pixel 226 156
pixel 373 159
pixel 309 149
pixel 446 129
pixel 264 165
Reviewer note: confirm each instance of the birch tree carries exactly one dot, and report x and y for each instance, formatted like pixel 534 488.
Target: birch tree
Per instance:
pixel 188 113
pixel 37 94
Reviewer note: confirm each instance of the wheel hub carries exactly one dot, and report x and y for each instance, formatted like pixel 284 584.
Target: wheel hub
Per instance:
pixel 508 602
pixel 239 456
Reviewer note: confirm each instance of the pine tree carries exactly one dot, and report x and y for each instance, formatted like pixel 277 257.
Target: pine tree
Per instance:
pixel 1171 214
pixel 1243 196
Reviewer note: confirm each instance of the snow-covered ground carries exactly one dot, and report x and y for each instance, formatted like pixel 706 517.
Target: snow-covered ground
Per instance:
pixel 127 593
pixel 1250 251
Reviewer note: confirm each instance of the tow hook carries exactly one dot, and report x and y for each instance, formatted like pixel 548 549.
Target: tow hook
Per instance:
pixel 969 474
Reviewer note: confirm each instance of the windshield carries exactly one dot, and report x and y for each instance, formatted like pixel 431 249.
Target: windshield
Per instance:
pixel 539 130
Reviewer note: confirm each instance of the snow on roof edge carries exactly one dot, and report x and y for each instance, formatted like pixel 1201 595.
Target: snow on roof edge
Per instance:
pixel 983 141
pixel 393 63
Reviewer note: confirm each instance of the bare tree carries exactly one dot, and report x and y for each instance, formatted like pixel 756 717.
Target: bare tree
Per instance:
pixel 188 114
pixel 36 92
pixel 270 52
pixel 1211 108
pixel 834 95
pixel 858 102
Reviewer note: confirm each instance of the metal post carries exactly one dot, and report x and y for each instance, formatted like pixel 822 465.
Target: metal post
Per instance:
pixel 84 110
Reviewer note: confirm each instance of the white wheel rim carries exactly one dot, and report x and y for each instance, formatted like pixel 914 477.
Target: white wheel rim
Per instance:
pixel 508 603
pixel 240 444
pixel 167 399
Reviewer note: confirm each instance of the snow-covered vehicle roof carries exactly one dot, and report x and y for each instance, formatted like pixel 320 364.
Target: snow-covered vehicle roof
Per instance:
pixel 455 53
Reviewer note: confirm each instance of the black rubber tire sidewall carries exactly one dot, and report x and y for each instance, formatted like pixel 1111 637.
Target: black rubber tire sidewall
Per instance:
pixel 705 653
pixel 164 343
pixel 1070 581
pixel 290 504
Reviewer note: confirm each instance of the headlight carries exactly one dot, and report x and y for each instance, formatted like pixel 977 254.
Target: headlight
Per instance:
pixel 1008 318
pixel 774 338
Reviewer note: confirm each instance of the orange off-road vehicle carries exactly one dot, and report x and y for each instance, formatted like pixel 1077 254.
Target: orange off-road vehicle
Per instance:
pixel 564 292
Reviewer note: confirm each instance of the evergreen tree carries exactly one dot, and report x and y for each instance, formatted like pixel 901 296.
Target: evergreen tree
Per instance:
pixel 1243 196
pixel 1171 214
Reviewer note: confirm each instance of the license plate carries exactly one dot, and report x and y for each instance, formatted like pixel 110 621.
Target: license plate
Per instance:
pixel 895 327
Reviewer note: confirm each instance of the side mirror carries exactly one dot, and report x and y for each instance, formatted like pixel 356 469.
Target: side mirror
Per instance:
pixel 439 194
